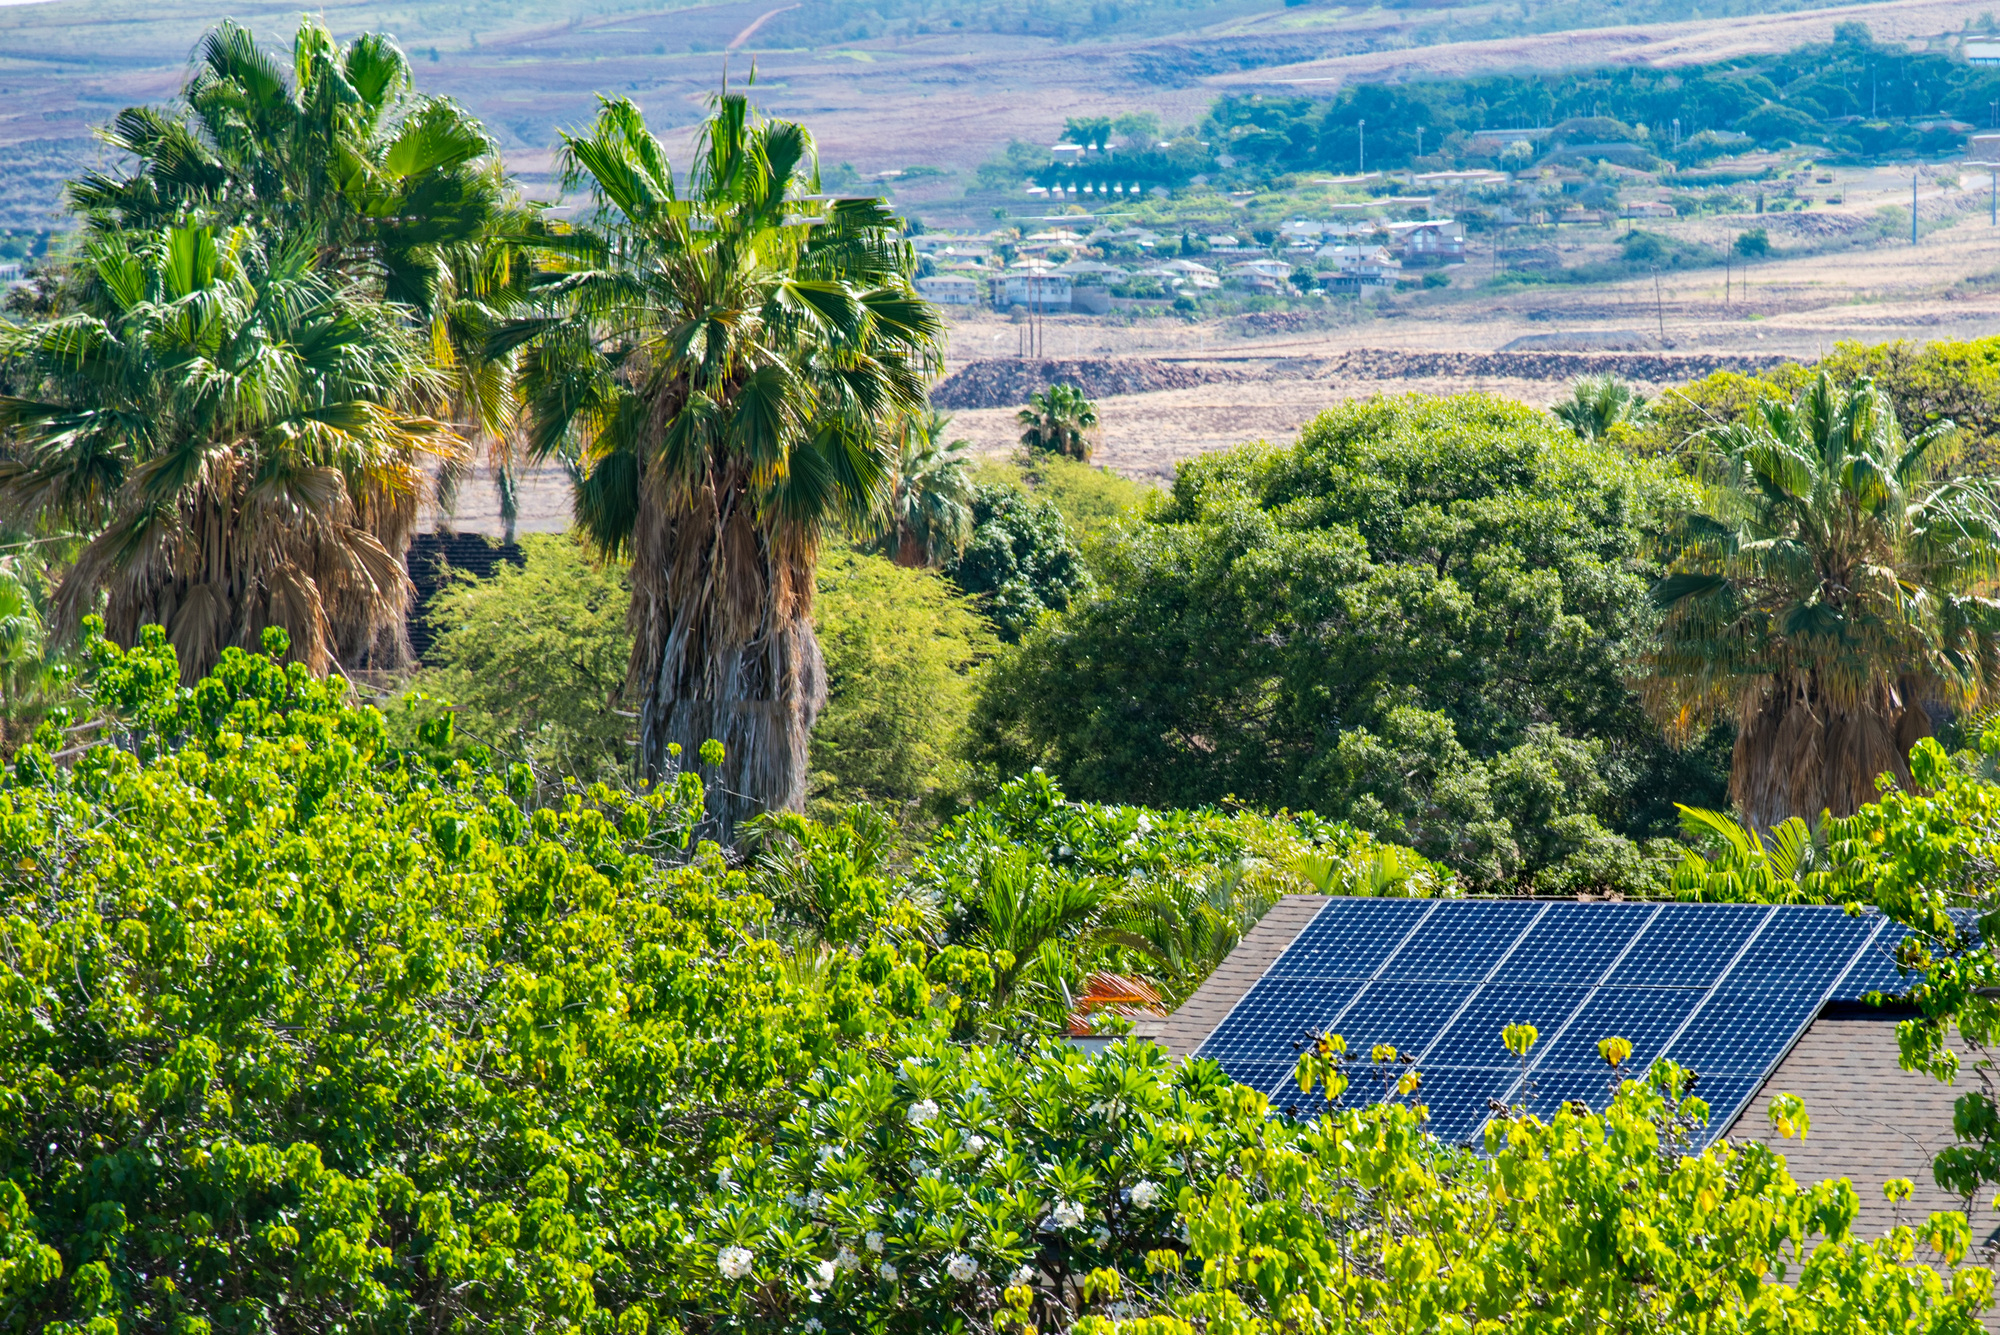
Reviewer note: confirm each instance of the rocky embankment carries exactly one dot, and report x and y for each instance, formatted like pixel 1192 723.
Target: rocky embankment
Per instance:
pixel 1007 382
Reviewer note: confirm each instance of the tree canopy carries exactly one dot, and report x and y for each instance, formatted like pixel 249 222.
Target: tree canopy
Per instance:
pixel 1419 616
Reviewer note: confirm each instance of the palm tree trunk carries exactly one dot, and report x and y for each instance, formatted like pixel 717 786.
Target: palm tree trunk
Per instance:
pixel 723 649
pixel 1799 754
pixel 509 487
pixel 909 549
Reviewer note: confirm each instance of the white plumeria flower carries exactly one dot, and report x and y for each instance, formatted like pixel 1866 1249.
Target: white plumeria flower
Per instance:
pixel 1145 826
pixel 1145 1193
pixel 961 1267
pixel 722 1175
pixel 1102 1236
pixel 812 1325
pixel 846 1259
pixel 826 1273
pixel 1067 1214
pixel 874 1242
pixel 977 1144
pixel 886 1271
pixel 813 1199
pixel 923 1110
pixel 1025 1275
pixel 734 1262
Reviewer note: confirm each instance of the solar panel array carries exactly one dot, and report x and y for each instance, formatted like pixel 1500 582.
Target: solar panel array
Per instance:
pixel 1723 989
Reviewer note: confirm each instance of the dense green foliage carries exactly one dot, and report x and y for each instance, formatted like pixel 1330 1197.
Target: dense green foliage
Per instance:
pixel 1021 561
pixel 531 662
pixel 901 647
pixel 1095 503
pixel 308 1032
pixel 1418 618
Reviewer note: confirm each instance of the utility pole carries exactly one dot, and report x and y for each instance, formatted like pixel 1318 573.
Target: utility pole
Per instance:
pixel 1995 174
pixel 1420 141
pixel 1361 146
pixel 1659 310
pixel 1913 206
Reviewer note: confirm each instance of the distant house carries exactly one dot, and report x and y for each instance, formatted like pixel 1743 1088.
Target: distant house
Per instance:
pixel 1982 53
pixel 1574 214
pixel 1066 152
pixel 1276 270
pixel 1036 289
pixel 950 289
pixel 1650 208
pixel 10 272
pixel 1437 241
pixel 1360 266
pixel 1984 148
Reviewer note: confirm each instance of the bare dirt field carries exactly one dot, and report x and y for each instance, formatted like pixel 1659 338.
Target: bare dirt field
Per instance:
pixel 945 99
pixel 1697 41
pixel 1227 386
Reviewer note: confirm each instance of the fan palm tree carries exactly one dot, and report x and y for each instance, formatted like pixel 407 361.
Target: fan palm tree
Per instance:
pixel 401 193
pixel 718 368
pixel 1059 420
pixel 930 493
pixel 1836 583
pixel 339 147
pixel 226 419
pixel 1597 403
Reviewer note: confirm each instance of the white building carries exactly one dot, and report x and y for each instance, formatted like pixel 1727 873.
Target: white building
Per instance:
pixel 1276 270
pixel 950 289
pixel 1036 289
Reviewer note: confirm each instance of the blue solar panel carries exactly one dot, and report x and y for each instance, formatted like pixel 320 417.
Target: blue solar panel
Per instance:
pixel 1351 937
pixel 1805 948
pixel 1474 1038
pixel 1689 945
pixel 1724 989
pixel 1574 943
pixel 1739 1031
pixel 1406 1016
pixel 1463 942
pixel 1647 1017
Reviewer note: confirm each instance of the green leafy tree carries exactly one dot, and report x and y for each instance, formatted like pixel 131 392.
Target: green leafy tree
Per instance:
pixel 531 663
pixel 1833 585
pixel 902 647
pixel 1598 403
pixel 1021 561
pixel 1059 420
pixel 930 493
pixel 233 424
pixel 720 365
pixel 1368 623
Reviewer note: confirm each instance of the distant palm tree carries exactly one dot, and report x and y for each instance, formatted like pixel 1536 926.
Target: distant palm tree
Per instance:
pixel 930 494
pixel 1060 420
pixel 1597 403
pixel 719 367
pixel 1836 583
pixel 225 418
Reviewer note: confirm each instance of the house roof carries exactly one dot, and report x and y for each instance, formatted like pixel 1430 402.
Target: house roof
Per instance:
pixel 1871 1120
